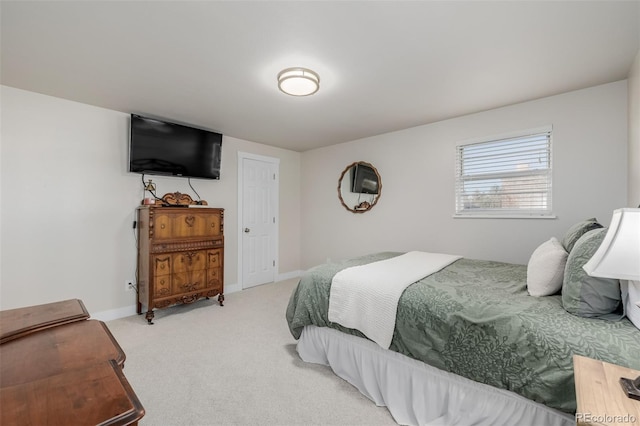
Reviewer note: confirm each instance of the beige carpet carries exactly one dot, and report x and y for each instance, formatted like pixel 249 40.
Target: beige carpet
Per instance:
pixel 203 364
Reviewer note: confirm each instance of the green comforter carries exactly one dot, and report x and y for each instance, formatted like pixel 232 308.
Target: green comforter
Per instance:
pixel 475 318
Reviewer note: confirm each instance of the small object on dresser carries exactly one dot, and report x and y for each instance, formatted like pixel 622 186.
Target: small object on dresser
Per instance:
pixel 365 205
pixel 631 387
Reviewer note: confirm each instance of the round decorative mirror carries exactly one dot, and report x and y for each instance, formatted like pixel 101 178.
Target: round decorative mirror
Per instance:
pixel 359 187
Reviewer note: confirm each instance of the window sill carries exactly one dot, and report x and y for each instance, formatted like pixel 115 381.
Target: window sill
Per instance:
pixel 501 216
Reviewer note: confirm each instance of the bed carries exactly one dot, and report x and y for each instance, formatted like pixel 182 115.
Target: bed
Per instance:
pixel 470 346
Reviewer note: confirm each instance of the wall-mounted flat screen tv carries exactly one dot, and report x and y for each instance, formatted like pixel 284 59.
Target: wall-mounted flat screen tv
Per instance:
pixel 365 180
pixel 159 147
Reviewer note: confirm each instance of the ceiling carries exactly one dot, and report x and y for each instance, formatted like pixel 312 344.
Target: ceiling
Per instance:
pixel 383 66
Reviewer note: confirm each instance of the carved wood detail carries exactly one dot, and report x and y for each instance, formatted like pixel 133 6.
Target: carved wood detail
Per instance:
pixel 190 298
pixel 179 199
pixel 186 246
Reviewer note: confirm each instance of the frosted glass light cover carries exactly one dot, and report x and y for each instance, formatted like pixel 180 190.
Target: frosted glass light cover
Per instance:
pixel 298 81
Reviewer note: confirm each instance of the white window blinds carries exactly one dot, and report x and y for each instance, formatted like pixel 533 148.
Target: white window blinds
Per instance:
pixel 507 177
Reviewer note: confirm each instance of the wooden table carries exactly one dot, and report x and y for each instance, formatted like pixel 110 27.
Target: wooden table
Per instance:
pixel 16 323
pixel 63 372
pixel 600 398
pixel 56 350
pixel 91 395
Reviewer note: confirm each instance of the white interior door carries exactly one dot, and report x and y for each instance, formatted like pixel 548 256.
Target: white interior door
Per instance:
pixel 258 219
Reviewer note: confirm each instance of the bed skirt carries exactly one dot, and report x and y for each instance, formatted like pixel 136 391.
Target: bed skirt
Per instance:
pixel 416 393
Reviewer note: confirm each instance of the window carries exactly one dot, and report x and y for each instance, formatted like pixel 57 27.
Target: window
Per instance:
pixel 505 177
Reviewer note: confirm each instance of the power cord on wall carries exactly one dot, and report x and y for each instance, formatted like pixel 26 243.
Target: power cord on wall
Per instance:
pixel 135 237
pixel 194 190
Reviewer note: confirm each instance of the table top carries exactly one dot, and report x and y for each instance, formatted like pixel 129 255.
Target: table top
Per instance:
pixel 95 394
pixel 57 367
pixel 55 350
pixel 599 396
pixel 16 323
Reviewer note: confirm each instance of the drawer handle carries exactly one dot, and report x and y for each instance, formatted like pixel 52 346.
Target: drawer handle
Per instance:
pixel 162 226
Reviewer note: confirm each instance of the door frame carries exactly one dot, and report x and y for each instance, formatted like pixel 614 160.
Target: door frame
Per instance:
pixel 276 212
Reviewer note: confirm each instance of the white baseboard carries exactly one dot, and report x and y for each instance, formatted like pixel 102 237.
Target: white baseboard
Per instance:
pixel 114 314
pixel 232 288
pixel 127 311
pixel 289 275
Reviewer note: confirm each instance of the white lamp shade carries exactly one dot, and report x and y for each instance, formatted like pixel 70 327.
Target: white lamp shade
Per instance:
pixel 619 254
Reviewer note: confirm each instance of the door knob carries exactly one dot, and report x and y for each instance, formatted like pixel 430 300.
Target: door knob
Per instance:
pixel 247 230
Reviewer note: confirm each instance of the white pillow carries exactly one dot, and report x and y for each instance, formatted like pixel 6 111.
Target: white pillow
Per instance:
pixel 545 270
pixel 631 300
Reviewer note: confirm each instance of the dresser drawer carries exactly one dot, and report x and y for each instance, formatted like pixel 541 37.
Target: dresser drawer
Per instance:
pixel 162 286
pixel 214 277
pixel 161 264
pixel 190 261
pixel 186 225
pixel 188 281
pixel 214 258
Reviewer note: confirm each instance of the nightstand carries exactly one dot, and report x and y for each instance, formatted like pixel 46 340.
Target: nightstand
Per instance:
pixel 600 399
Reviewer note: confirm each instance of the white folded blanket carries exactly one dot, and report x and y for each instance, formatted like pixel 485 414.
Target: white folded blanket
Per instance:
pixel 366 297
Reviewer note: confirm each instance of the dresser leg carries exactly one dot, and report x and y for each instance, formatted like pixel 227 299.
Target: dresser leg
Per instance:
pixel 149 316
pixel 221 299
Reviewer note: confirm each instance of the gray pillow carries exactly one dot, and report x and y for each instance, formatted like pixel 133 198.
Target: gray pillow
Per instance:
pixel 578 230
pixel 587 296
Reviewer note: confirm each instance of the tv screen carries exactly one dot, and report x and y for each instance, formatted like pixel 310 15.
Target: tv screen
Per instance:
pixel 162 148
pixel 365 180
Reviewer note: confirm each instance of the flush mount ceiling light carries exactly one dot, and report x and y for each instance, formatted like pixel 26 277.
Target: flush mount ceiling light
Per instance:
pixel 298 81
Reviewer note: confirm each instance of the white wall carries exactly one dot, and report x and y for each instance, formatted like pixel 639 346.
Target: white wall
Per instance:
pixel 633 197
pixel 68 203
pixel 417 169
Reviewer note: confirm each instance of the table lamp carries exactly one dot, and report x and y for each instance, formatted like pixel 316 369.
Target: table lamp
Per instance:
pixel 619 257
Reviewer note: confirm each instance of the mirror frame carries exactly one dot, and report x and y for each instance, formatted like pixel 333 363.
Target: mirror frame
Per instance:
pixel 377 196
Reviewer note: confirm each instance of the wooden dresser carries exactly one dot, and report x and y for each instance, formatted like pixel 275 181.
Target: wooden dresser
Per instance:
pixel 180 256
